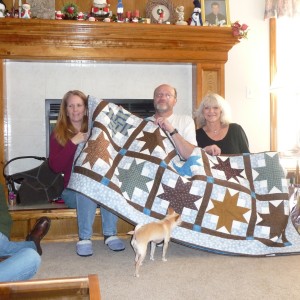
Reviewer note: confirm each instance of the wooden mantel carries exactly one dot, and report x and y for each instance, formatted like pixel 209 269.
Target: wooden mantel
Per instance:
pixel 30 40
pixel 52 39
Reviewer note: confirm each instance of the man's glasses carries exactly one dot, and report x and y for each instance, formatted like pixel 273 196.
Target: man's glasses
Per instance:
pixel 160 95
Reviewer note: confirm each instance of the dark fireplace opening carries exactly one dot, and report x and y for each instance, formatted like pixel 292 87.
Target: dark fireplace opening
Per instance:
pixel 142 108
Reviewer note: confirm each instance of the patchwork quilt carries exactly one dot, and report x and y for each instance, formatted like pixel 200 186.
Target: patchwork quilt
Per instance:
pixel 235 205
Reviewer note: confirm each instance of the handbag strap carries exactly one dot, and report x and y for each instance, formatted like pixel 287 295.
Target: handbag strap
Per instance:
pixel 20 157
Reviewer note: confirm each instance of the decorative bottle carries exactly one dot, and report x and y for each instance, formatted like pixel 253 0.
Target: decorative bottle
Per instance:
pixel 12 198
pixel 120 11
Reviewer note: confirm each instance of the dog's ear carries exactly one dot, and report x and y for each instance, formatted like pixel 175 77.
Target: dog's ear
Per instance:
pixel 170 211
pixel 131 232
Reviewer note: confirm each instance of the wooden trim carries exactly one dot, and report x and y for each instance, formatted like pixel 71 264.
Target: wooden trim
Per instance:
pixel 72 40
pixel 209 77
pixel 2 117
pixel 94 287
pixel 273 97
pixel 53 288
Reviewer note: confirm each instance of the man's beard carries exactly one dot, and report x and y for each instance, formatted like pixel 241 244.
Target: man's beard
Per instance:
pixel 161 107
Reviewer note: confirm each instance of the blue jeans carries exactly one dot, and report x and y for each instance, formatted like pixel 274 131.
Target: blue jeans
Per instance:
pixel 23 262
pixel 86 210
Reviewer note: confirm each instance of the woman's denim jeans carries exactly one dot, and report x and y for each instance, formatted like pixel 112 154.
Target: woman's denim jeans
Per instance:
pixel 86 210
pixel 23 262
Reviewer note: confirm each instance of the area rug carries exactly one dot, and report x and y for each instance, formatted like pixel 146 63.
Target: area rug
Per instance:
pixel 234 205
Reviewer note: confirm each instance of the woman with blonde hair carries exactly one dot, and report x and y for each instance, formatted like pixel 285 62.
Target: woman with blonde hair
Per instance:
pixel 72 129
pixel 215 128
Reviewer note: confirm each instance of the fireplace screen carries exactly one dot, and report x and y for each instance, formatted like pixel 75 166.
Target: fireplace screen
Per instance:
pixel 139 107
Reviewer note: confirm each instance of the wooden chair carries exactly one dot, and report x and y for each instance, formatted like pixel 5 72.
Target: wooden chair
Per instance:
pixel 56 288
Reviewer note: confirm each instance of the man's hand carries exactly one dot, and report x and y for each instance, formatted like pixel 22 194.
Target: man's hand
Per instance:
pixel 164 124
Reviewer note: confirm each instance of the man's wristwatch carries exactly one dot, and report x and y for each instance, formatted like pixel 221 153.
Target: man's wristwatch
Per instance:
pixel 173 132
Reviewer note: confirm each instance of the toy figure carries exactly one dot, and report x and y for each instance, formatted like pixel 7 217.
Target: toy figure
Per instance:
pixel 26 11
pixel 180 13
pixel 100 9
pixel 2 10
pixel 80 16
pixel 161 17
pixel 58 15
pixel 120 11
pixel 196 19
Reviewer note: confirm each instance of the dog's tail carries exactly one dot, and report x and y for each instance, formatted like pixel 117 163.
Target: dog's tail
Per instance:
pixel 132 232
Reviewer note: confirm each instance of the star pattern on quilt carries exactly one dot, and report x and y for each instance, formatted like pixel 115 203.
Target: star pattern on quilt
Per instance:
pixel 268 219
pixel 137 180
pixel 227 169
pixel 186 170
pixel 100 150
pixel 179 196
pixel 152 140
pixel 228 211
pixel 271 173
pixel 118 122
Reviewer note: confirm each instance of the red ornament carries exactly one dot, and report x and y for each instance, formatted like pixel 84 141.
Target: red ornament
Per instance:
pixel 70 9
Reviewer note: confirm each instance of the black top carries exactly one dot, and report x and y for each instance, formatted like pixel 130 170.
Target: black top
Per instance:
pixel 235 141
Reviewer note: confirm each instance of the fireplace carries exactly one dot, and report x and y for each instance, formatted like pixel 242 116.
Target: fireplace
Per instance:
pixel 205 49
pixel 142 108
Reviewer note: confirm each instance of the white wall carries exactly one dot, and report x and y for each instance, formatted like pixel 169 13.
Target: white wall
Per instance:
pixel 248 69
pixel 29 84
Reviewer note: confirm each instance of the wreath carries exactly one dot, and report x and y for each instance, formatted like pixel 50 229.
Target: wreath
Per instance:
pixel 70 11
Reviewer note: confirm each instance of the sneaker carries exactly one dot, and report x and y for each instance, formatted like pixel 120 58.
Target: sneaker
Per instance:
pixel 84 248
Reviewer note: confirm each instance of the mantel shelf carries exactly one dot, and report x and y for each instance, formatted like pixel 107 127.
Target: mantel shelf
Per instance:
pixel 74 40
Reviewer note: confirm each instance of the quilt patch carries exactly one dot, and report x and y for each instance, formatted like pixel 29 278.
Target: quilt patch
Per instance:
pixel 235 205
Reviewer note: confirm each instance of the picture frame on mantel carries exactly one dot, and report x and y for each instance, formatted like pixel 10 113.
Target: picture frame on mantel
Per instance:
pixel 42 9
pixel 154 7
pixel 215 12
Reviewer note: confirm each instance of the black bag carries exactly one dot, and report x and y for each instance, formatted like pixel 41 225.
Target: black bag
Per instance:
pixel 39 185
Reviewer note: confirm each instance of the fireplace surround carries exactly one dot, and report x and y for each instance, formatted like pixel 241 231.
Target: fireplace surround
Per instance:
pixel 206 48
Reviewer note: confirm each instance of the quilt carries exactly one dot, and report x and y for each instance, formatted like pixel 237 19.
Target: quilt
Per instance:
pixel 234 205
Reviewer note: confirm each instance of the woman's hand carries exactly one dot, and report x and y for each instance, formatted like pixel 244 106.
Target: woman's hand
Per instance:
pixel 212 150
pixel 80 137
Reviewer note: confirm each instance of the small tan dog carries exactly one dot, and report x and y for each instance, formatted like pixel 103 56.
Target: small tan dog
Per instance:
pixel 154 232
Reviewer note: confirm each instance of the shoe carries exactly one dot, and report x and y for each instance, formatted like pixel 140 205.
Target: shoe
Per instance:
pixel 84 248
pixel 39 230
pixel 114 243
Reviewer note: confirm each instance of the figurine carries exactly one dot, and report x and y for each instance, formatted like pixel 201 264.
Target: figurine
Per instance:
pixel 120 11
pixel 26 11
pixel 161 17
pixel 180 13
pixel 58 15
pixel 80 16
pixel 100 9
pixel 2 10
pixel 196 19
